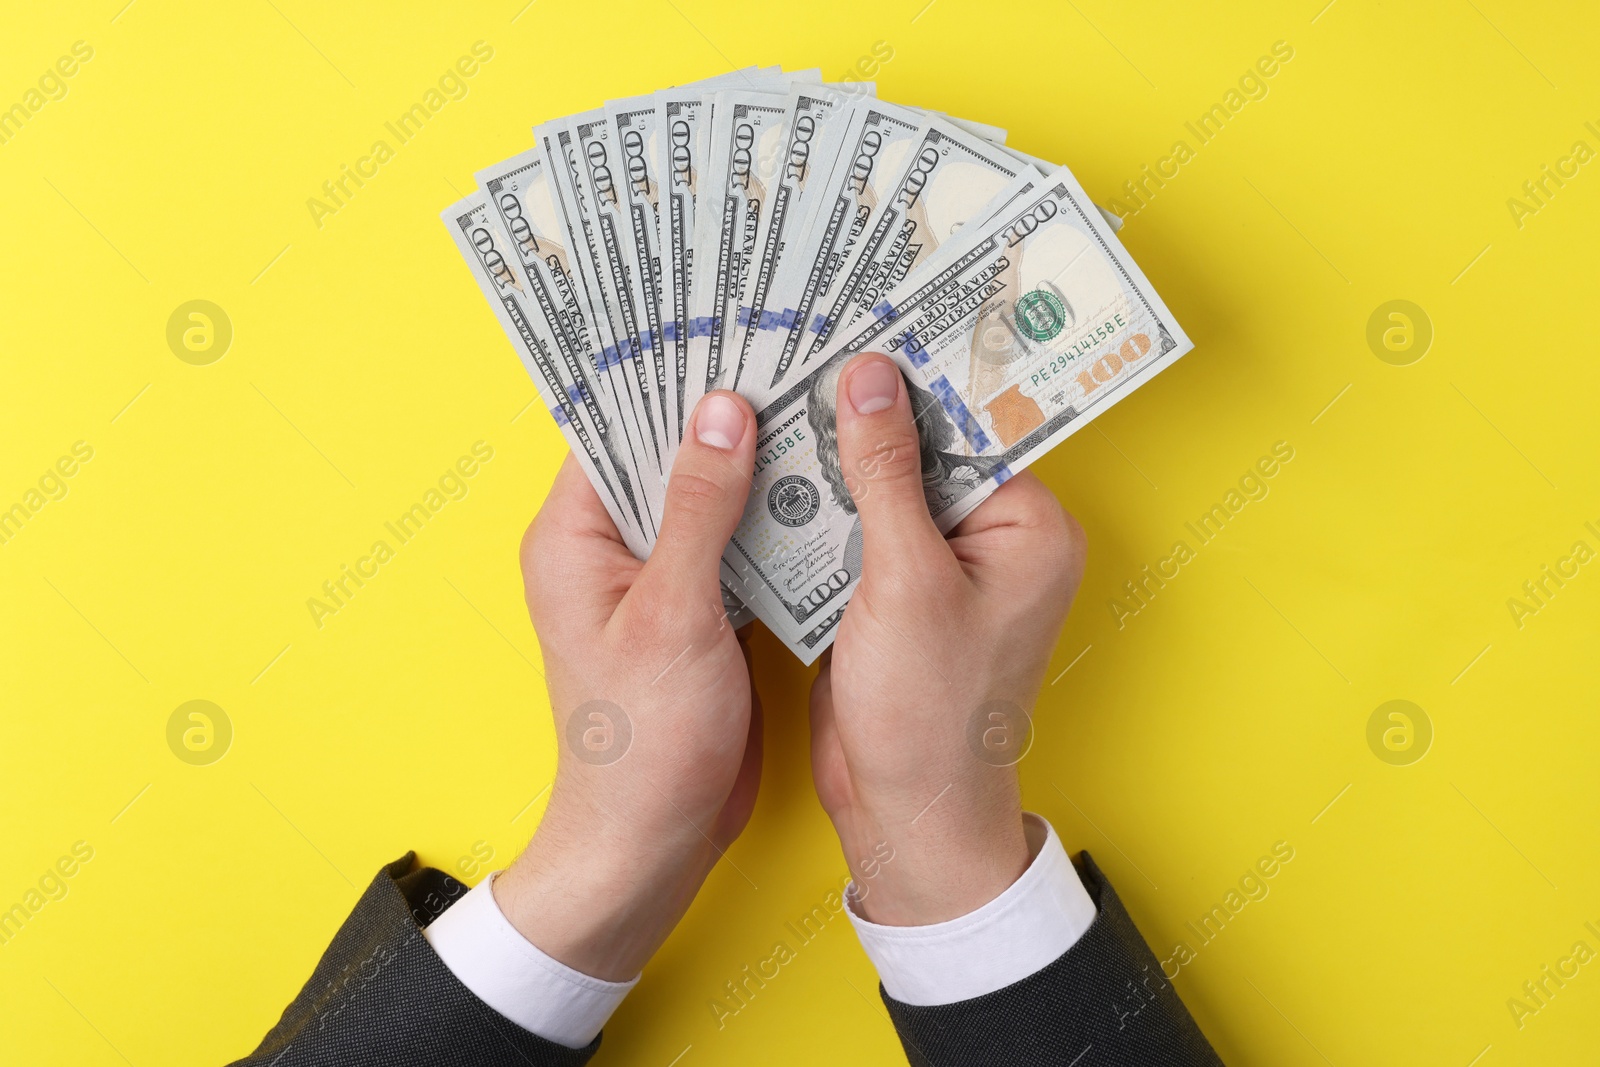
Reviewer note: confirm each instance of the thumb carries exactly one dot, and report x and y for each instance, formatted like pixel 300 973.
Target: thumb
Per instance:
pixel 880 457
pixel 706 495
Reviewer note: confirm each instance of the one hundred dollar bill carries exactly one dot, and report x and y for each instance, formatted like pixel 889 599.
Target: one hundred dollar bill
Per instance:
pixel 819 117
pixel 682 143
pixel 992 134
pixel 1044 166
pixel 592 222
pixel 521 195
pixel 636 128
pixel 742 162
pixel 876 141
pixel 1020 332
pixel 633 133
pixel 597 147
pixel 680 163
pixel 948 179
pixel 827 317
pixel 797 316
pixel 569 398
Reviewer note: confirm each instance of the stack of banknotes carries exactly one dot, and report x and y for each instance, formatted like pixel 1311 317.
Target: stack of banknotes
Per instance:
pixel 753 232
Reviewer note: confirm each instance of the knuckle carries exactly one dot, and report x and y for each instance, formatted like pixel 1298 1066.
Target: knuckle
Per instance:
pixel 1056 544
pixel 892 457
pixel 1077 541
pixel 696 491
pixel 1037 507
pixel 528 549
pixel 1063 556
pixel 548 561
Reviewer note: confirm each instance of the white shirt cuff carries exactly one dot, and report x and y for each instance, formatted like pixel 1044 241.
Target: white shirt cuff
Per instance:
pixel 510 974
pixel 1016 934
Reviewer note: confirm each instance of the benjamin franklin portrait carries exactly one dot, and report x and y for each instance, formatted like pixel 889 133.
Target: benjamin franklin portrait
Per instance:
pixel 947 476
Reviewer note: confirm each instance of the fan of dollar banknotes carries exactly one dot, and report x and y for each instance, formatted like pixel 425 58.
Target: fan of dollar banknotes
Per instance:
pixel 753 232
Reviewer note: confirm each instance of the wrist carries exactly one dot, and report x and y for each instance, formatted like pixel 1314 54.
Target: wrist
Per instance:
pixel 600 902
pixel 935 869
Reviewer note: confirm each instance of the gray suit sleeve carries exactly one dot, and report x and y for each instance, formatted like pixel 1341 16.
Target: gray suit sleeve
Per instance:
pixel 1102 1003
pixel 380 995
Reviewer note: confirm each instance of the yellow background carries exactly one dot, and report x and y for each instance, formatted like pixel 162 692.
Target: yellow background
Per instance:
pixel 1224 717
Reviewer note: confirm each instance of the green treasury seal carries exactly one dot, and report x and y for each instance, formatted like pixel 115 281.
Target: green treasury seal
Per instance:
pixel 1041 315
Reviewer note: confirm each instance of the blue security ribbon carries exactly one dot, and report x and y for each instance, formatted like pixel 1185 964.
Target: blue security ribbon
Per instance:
pixel 964 420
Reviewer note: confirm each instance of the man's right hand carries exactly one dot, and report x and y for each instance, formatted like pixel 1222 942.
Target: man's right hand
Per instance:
pixel 942 649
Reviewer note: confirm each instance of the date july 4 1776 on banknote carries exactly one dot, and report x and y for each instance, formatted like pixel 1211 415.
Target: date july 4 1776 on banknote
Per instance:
pixel 755 231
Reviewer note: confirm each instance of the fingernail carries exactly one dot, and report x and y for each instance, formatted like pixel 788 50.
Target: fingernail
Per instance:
pixel 874 386
pixel 719 422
